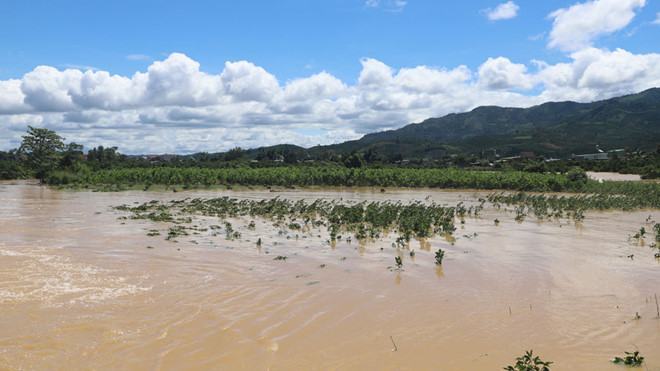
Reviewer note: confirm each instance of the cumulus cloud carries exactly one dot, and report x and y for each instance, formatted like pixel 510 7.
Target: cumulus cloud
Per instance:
pixel 246 82
pixel 500 73
pixel 503 11
pixel 577 26
pixel 174 106
pixel 12 97
pixel 599 74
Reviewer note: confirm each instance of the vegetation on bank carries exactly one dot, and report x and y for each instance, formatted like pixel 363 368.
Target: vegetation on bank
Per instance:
pixel 44 154
pixel 324 176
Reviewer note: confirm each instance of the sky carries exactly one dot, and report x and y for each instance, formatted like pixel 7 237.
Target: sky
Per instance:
pixel 183 77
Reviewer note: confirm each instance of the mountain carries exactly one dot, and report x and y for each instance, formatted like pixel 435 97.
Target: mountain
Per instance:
pixel 556 129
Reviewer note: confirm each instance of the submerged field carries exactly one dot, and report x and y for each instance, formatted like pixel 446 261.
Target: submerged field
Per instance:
pixel 308 279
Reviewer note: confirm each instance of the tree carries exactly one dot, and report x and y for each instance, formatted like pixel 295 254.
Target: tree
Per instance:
pixel 41 148
pixel 234 154
pixel 73 153
pixel 104 158
pixel 10 166
pixel 353 161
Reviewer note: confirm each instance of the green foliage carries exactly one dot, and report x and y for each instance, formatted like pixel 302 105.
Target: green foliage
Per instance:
pixel 326 176
pixel 577 174
pixel 234 154
pixel 632 359
pixel 41 148
pixel 606 196
pixel 529 362
pixel 364 220
pixel 72 155
pixel 104 157
pixel 398 262
pixel 353 161
pixel 439 255
pixel 10 166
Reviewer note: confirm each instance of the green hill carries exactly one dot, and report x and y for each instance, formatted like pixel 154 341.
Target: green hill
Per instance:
pixel 551 129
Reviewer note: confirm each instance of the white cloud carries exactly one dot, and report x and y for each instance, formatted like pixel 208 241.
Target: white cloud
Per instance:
pixel 174 106
pixel 501 74
pixel 48 89
pixel 576 27
pixel 503 11
pixel 246 82
pixel 178 81
pixel 12 97
pixel 599 74
pixel 657 19
pixel 374 73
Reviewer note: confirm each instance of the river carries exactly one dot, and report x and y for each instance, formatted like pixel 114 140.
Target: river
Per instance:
pixel 81 288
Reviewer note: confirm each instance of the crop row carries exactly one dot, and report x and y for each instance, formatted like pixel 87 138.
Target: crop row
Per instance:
pixel 366 220
pixel 323 176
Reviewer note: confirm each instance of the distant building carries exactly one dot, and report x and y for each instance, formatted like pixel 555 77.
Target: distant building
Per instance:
pixel 601 155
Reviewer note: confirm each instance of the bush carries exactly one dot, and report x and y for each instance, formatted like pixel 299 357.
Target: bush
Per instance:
pixel 577 175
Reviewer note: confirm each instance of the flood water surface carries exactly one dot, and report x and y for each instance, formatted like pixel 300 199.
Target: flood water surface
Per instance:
pixel 81 288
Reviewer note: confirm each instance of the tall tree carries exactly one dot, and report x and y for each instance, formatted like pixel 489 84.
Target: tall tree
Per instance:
pixel 42 150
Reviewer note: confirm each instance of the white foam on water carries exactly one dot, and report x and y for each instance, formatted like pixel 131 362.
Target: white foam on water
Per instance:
pixel 43 275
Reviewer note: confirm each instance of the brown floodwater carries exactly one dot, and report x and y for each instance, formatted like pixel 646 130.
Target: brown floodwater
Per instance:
pixel 79 289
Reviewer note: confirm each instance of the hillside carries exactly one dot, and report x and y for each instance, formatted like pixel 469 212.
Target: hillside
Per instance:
pixel 551 129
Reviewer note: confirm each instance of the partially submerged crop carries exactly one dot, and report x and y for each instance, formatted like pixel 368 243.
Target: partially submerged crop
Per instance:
pixel 529 362
pixel 439 255
pixel 364 220
pixel 632 359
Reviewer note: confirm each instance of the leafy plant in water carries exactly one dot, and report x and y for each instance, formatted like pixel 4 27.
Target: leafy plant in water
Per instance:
pixel 439 255
pixel 632 359
pixel 529 362
pixel 398 262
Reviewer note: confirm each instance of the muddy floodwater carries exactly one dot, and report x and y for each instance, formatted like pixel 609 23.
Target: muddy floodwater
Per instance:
pixel 80 289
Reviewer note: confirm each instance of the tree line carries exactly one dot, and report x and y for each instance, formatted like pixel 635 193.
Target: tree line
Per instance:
pixel 43 151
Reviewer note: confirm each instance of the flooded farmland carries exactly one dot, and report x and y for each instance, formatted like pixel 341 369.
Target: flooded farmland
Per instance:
pixel 82 288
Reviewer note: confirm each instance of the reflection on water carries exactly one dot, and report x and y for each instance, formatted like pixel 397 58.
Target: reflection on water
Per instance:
pixel 80 289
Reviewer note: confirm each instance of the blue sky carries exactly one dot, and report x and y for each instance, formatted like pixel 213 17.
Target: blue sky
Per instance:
pixel 294 39
pixel 290 38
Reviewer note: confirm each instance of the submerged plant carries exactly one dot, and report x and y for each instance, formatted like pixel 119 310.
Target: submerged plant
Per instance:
pixel 529 362
pixel 632 359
